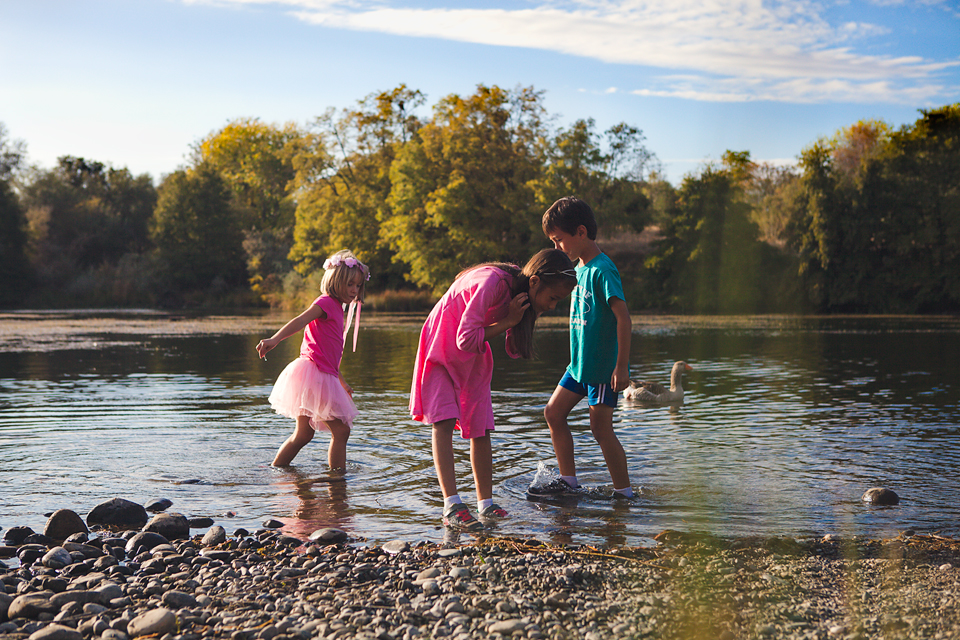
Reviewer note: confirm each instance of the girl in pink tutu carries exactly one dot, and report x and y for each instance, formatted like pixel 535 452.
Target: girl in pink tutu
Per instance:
pixel 454 367
pixel 311 389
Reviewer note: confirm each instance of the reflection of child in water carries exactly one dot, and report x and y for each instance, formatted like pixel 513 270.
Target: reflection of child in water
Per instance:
pixel 321 503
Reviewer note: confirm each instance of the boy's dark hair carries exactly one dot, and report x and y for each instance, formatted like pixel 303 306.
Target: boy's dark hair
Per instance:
pixel 567 214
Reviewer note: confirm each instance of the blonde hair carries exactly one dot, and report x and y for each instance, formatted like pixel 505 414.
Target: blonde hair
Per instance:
pixel 337 272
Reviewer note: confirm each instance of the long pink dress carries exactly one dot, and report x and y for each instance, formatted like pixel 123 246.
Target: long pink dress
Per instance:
pixel 454 367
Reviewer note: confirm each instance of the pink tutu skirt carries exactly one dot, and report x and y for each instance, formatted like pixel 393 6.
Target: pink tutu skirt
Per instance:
pixel 303 390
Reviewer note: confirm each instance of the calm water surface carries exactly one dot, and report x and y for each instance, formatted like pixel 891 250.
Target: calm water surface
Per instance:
pixel 787 421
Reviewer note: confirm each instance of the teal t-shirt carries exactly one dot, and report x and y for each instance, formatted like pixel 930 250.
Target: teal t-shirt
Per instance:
pixel 593 327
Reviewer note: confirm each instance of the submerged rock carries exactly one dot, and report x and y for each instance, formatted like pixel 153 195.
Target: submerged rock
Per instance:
pixel 881 497
pixel 156 506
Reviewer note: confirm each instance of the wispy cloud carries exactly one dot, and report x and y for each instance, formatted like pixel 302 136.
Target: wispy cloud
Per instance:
pixel 728 50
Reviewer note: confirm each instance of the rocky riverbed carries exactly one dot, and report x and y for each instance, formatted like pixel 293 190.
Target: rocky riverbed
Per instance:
pixel 263 584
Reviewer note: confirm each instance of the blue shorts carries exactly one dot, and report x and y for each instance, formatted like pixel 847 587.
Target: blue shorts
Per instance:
pixel 595 393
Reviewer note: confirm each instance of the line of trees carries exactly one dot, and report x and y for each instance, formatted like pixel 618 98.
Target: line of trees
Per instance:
pixel 867 222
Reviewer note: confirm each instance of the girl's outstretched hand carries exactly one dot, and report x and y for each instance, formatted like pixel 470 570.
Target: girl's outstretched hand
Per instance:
pixel 518 306
pixel 265 346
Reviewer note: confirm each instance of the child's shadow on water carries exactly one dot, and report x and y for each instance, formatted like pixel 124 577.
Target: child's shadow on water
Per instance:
pixel 321 502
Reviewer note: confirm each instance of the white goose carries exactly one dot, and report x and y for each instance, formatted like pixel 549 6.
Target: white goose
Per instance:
pixel 643 391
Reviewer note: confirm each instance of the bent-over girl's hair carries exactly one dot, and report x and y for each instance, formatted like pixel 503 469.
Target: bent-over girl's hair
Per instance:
pixel 553 267
pixel 337 271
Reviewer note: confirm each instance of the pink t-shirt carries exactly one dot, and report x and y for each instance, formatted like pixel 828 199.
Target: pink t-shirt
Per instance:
pixel 452 339
pixel 323 338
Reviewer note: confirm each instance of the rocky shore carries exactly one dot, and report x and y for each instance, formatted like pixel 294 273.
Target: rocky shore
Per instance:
pixel 114 583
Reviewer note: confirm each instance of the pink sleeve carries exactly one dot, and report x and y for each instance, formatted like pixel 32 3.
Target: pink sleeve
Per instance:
pixel 508 345
pixel 482 295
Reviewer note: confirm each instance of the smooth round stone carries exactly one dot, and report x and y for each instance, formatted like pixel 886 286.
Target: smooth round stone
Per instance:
pixel 14 536
pixel 431 588
pixel 881 497
pixel 217 554
pixel 507 627
pixel 271 523
pixel 155 622
pixel 329 536
pixel 31 605
pixel 57 558
pixel 396 546
pixel 146 539
pixel 172 526
pixel 449 553
pixel 161 504
pixel 460 572
pixel 200 523
pixel 87 550
pixel 64 523
pixel 118 513
pixel 216 535
pixel 56 632
pixel 178 600
pixel 428 574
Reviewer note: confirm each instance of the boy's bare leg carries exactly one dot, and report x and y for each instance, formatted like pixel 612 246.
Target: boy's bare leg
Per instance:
pixel 481 458
pixel 558 408
pixel 601 424
pixel 443 456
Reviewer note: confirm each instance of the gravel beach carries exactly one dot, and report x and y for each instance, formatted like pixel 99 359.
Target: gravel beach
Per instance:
pixel 267 585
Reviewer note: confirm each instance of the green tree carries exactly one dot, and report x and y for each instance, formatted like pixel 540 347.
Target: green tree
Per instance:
pixel 196 231
pixel 709 260
pixel 877 214
pixel 15 274
pixel 82 214
pixel 461 186
pixel 607 171
pixel 343 183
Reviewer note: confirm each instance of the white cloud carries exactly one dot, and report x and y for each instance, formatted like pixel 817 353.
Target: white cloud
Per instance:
pixel 738 50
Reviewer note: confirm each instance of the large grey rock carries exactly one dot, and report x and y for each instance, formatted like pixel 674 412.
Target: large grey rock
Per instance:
pixel 396 546
pixel 80 596
pixel 62 524
pixel 88 550
pixel 118 513
pixel 5 600
pixel 172 526
pixel 155 622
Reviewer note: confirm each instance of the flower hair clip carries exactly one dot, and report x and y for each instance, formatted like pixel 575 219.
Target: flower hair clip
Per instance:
pixel 351 262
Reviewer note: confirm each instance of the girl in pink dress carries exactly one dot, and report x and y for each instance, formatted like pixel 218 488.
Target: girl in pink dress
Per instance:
pixel 454 367
pixel 311 389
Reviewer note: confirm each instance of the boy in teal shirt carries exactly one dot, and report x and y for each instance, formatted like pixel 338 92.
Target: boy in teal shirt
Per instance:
pixel 599 348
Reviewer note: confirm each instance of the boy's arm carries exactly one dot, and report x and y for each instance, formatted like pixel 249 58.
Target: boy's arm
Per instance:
pixel 621 375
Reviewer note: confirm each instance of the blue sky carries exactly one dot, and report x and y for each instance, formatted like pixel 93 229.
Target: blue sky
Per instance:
pixel 134 83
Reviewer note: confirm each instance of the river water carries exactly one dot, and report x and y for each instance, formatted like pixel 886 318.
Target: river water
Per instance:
pixel 786 422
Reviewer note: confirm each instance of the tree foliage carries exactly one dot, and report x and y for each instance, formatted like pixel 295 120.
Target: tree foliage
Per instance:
pixel 83 213
pixel 197 232
pixel 882 233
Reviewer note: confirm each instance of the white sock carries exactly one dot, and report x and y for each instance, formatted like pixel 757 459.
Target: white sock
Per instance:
pixel 571 480
pixel 452 500
pixel 626 492
pixel 483 504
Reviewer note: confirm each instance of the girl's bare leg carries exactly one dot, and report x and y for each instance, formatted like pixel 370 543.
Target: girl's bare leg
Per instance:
pixel 302 434
pixel 559 406
pixel 443 456
pixel 337 451
pixel 481 458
